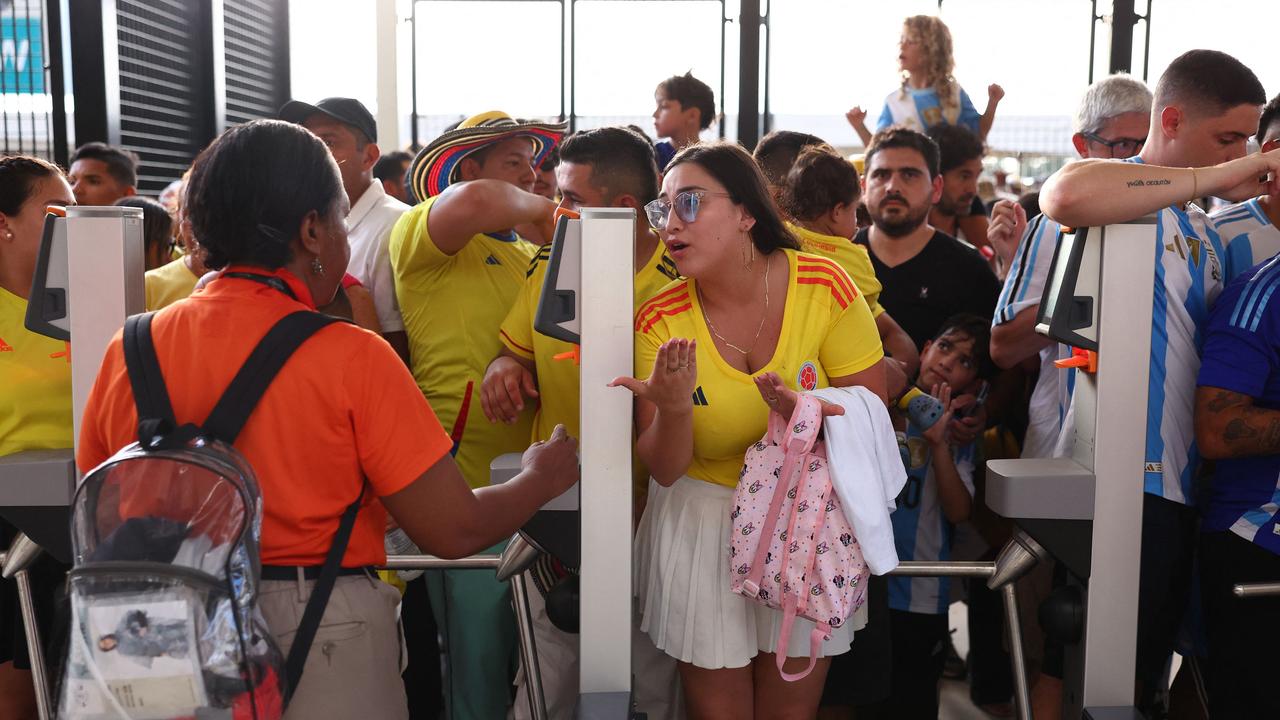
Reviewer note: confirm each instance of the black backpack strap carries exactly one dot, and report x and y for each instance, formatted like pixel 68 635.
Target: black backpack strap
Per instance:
pixel 320 592
pixel 236 404
pixel 150 397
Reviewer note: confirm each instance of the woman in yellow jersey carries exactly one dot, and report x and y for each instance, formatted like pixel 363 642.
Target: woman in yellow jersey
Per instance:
pixel 35 392
pixel 754 321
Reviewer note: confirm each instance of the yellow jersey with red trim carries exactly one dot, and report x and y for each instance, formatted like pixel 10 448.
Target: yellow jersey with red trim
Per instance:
pixel 852 257
pixel 558 389
pixel 452 307
pixel 35 384
pixel 827 331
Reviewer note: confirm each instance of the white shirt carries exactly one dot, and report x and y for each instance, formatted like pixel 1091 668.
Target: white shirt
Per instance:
pixel 1023 289
pixel 369 227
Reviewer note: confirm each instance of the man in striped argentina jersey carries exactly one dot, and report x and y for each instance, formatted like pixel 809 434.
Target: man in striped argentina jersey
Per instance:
pixel 1206 106
pixel 1111 122
pixel 1249 229
pixel 1238 423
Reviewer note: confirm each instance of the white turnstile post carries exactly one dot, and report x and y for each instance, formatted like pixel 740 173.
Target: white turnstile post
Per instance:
pixel 607 312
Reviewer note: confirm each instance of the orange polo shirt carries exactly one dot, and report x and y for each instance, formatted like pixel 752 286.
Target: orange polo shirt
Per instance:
pixel 343 408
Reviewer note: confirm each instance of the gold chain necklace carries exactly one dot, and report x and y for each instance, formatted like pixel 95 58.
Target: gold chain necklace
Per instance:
pixel 712 327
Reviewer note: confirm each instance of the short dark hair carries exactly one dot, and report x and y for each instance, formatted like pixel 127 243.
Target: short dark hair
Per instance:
pixel 391 165
pixel 122 165
pixel 777 152
pixel 900 137
pixel 621 161
pixel 691 92
pixel 1270 114
pixel 956 146
pixel 18 177
pixel 157 223
pixel 979 330
pixel 251 188
pixel 1208 82
pixel 732 167
pixel 819 180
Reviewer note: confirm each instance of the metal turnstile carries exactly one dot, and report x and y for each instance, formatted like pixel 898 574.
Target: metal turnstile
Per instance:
pixel 89 278
pixel 1086 509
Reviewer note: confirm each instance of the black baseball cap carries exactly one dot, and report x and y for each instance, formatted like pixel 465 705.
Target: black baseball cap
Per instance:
pixel 345 110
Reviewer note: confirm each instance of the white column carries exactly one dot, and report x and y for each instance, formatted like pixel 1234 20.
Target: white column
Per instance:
pixel 387 26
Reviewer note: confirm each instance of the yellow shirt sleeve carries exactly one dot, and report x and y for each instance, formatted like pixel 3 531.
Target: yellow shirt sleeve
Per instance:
pixel 411 248
pixel 651 331
pixel 864 276
pixel 852 343
pixel 516 331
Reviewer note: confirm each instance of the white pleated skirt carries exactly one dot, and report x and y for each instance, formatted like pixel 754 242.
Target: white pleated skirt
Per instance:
pixel 682 583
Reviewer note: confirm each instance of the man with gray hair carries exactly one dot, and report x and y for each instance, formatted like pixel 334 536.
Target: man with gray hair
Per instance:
pixel 1111 122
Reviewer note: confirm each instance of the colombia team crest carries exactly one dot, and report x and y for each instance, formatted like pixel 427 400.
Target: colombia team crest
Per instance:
pixel 807 378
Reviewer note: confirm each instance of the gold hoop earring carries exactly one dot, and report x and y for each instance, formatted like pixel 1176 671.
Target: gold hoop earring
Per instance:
pixel 749 257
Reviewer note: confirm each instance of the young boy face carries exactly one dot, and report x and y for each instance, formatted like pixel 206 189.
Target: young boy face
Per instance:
pixel 949 359
pixel 669 116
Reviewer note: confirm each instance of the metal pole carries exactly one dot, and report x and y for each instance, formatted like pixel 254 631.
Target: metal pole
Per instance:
pixel 35 651
pixel 1256 590
pixel 1021 693
pixel 918 568
pixel 528 648
pixel 431 562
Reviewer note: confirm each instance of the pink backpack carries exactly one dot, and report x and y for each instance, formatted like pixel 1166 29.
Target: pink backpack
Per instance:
pixel 785 498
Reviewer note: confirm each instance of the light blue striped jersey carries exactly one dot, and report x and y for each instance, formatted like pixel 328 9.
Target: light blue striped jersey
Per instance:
pixel 1023 290
pixel 1247 234
pixel 1188 279
pixel 921 109
pixel 920 529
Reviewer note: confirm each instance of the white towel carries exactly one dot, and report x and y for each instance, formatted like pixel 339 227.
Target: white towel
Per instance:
pixel 866 470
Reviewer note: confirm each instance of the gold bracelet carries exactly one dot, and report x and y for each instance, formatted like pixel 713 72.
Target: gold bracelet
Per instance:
pixel 1195 185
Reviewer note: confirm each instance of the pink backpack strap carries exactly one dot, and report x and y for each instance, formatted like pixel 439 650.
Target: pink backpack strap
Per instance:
pixel 806 421
pixel 797 438
pixel 820 632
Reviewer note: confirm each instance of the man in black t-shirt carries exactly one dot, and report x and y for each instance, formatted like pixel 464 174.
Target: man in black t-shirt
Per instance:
pixel 927 275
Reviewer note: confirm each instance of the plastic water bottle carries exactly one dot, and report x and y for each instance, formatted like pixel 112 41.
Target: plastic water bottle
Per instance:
pixel 398 543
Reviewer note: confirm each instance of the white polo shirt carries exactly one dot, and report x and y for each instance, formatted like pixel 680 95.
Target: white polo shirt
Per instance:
pixel 368 231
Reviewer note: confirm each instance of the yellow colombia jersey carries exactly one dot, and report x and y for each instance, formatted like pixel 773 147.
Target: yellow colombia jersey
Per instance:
pixel 852 257
pixel 558 379
pixel 452 307
pixel 827 331
pixel 35 384
pixel 168 284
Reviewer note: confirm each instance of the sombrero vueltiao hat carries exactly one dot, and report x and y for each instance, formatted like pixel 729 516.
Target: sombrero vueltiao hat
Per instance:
pixel 437 165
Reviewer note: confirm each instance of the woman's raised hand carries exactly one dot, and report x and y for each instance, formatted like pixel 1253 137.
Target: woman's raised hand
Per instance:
pixel 671 385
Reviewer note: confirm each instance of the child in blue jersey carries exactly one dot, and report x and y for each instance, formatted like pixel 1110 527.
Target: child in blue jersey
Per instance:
pixel 929 95
pixel 937 496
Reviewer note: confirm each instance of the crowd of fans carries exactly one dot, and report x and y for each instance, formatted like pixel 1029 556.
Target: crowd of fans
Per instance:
pixel 757 276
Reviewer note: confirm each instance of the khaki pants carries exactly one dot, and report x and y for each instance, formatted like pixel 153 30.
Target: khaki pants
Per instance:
pixel 353 669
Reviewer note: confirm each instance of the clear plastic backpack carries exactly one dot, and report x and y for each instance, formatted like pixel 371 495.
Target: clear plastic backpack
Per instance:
pixel 166 566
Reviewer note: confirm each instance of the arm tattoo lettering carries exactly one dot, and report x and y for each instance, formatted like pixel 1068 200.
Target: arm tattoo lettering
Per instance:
pixel 1139 183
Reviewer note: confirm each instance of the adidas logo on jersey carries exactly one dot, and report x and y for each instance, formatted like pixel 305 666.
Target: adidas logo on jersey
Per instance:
pixel 491 260
pixel 699 398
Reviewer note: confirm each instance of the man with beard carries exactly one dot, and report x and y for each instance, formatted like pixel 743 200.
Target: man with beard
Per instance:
pixel 928 275
pixel 959 213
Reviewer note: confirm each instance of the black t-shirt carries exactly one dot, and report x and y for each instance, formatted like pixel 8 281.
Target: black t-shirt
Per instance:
pixel 945 278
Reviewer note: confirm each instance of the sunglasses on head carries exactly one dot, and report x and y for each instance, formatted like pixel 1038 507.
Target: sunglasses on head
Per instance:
pixel 685 204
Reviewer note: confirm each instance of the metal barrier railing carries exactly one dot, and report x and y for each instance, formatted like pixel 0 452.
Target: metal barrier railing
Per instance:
pixel 1256 590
